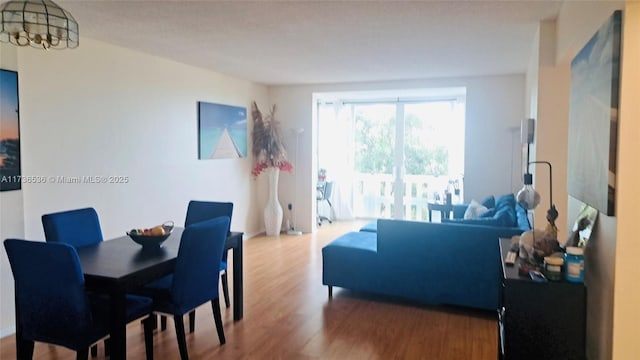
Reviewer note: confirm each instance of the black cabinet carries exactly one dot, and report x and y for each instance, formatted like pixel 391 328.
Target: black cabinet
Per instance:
pixel 540 320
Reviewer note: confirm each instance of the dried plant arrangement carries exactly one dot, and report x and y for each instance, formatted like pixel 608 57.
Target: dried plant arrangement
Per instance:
pixel 268 148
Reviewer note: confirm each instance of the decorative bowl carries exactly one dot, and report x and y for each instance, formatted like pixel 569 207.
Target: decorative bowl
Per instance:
pixel 152 240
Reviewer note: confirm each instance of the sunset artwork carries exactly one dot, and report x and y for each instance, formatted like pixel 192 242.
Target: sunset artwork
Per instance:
pixel 9 131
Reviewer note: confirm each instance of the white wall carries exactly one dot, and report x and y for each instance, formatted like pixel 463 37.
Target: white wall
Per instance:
pixel 495 106
pixel 626 312
pixel 551 130
pixel 104 110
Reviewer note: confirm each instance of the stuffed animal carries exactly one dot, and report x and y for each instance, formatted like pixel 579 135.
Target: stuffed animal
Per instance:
pixel 536 244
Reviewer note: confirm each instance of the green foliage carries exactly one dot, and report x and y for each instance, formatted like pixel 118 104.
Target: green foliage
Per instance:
pixel 375 142
pixel 374 145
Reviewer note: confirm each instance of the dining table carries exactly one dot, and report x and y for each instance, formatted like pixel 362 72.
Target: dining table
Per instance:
pixel 120 265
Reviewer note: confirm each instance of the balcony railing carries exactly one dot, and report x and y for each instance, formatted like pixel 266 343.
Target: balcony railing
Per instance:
pixel 373 195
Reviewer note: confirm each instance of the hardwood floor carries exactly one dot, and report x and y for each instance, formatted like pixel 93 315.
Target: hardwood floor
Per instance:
pixel 288 315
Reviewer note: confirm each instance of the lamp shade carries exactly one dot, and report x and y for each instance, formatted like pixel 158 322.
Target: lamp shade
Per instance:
pixel 38 23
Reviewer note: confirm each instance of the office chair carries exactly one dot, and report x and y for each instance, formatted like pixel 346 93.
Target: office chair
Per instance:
pixel 324 194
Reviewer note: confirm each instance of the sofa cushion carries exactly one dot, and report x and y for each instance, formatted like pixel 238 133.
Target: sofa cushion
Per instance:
pixel 508 200
pixel 506 216
pixel 478 221
pixel 489 202
pixel 370 227
pixel 364 241
pixel 489 213
pixel 522 218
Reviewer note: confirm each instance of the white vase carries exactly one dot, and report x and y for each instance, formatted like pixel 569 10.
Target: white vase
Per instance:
pixel 273 210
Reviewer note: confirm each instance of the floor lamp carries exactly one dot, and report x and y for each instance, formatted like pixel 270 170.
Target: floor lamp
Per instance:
pixel 291 230
pixel 528 197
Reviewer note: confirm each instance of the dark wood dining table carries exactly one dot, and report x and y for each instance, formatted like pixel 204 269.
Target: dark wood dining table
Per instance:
pixel 119 265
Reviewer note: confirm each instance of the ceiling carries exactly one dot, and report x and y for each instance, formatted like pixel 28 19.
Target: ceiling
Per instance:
pixel 302 42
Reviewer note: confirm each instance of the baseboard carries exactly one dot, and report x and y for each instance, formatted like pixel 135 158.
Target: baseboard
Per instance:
pixel 7 331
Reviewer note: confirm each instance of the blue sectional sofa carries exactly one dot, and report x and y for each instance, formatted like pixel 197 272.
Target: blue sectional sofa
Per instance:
pixel 435 263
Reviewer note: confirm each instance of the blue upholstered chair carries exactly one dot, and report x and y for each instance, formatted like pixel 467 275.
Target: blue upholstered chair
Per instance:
pixel 191 284
pixel 198 211
pixel 52 304
pixel 78 228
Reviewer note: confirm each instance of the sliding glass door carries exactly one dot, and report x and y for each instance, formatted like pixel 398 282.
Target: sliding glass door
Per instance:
pixel 397 155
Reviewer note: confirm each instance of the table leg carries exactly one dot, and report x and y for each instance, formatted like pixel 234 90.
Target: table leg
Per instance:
pixel 118 343
pixel 237 281
pixel 429 214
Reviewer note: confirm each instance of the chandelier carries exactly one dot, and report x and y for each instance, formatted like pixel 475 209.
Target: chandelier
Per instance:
pixel 38 23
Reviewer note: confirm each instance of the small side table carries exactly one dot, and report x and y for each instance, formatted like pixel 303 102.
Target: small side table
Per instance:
pixel 445 209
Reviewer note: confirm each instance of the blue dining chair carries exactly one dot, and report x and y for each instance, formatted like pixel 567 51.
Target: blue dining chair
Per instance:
pixel 190 285
pixel 52 305
pixel 198 211
pixel 80 227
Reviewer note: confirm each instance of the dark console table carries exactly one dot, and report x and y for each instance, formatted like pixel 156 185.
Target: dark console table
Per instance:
pixel 540 320
pixel 445 210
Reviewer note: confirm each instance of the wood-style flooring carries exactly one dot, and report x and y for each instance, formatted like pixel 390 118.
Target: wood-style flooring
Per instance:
pixel 288 315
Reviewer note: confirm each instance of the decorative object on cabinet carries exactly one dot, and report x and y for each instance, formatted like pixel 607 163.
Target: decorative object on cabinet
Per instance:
pixel 583 227
pixel 593 118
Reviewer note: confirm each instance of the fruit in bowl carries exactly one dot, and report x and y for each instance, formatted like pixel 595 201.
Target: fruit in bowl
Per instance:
pixel 153 236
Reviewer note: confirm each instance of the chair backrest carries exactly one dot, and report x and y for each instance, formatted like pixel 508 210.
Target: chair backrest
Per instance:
pixel 80 227
pixel 198 211
pixel 199 256
pixel 328 188
pixel 50 295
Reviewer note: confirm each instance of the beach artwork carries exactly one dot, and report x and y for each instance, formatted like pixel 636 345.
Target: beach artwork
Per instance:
pixel 222 131
pixel 593 118
pixel 9 132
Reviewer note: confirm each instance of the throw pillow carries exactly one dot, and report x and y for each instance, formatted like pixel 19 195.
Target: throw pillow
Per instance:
pixel 508 200
pixel 474 210
pixel 489 202
pixel 506 217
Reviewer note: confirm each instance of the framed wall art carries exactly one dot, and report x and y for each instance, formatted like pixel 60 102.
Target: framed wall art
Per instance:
pixel 593 118
pixel 222 131
pixel 9 132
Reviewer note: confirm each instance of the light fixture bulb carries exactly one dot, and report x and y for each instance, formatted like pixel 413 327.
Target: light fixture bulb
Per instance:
pixel 528 197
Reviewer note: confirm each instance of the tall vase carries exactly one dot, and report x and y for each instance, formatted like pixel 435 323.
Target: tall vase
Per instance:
pixel 273 210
